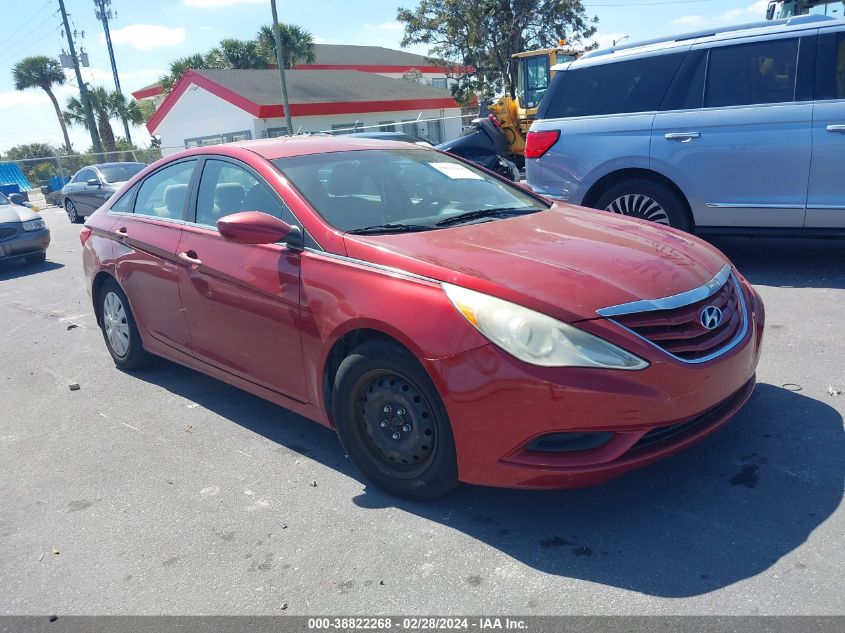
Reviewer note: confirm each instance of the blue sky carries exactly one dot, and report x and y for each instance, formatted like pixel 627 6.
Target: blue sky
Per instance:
pixel 150 33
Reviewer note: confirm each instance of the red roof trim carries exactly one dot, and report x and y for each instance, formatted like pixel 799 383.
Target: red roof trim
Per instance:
pixel 149 91
pixel 296 109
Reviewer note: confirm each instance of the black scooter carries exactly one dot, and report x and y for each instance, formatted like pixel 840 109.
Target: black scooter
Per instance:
pixel 484 143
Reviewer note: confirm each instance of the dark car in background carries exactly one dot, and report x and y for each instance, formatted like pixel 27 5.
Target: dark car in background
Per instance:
pixel 22 233
pixel 91 186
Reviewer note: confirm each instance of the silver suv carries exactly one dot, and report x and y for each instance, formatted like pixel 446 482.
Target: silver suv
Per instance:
pixel 730 131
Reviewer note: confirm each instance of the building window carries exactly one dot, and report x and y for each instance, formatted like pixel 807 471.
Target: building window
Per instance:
pixel 410 127
pixel 439 83
pixel 346 128
pixel 276 132
pixel 216 139
pixel 386 126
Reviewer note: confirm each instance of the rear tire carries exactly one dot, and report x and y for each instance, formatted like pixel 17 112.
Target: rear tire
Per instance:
pixel 72 214
pixel 647 200
pixel 392 422
pixel 120 331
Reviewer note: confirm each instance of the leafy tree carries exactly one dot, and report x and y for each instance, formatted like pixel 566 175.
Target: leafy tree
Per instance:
pixel 42 72
pixel 36 171
pixel 31 150
pixel 483 34
pixel 414 75
pixel 181 65
pixel 242 54
pixel 107 105
pixel 297 44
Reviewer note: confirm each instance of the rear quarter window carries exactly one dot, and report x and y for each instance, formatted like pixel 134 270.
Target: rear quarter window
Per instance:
pixel 636 85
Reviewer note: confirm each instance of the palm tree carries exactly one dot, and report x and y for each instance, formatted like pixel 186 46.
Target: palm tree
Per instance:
pixel 181 65
pixel 297 44
pixel 241 54
pixel 120 107
pixel 42 72
pixel 101 104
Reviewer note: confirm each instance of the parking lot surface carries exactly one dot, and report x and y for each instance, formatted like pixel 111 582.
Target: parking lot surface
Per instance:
pixel 167 492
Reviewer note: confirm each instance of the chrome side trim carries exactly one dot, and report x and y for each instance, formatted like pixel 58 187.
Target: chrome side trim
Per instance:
pixel 673 301
pixel 722 350
pixel 740 205
pixel 826 207
pixel 381 268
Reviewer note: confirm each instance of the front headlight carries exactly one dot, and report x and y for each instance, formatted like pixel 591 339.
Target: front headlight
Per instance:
pixel 537 338
pixel 33 225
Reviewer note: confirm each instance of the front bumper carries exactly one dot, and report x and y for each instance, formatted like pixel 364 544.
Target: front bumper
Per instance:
pixel 25 243
pixel 497 405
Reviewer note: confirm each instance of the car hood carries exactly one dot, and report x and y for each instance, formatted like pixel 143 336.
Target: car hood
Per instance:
pixel 16 213
pixel 567 262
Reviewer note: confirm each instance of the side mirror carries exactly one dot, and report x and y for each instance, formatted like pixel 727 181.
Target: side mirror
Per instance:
pixel 16 198
pixel 255 227
pixel 93 182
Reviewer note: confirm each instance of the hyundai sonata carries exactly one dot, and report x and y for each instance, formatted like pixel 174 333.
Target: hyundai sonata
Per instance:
pixel 449 325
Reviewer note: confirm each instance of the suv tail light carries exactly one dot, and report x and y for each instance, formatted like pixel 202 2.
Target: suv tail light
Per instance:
pixel 538 143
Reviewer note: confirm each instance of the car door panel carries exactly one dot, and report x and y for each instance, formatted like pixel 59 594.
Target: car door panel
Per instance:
pixel 826 193
pixel 147 269
pixel 241 301
pixel 242 308
pixel 729 156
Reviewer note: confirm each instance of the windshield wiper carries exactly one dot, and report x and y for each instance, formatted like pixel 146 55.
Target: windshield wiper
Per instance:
pixel 497 212
pixel 391 227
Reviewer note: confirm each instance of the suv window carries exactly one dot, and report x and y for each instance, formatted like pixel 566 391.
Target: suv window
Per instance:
pixel 637 85
pixel 163 193
pixel 830 76
pixel 745 74
pixel 226 188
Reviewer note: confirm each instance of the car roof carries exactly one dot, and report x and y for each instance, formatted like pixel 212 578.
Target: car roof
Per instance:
pixel 287 146
pixel 685 40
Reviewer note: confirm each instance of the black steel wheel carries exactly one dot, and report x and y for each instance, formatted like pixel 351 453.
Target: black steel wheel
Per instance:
pixel 392 422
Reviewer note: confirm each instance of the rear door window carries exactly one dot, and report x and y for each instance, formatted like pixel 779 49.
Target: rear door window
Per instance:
pixel 637 85
pixel 163 193
pixel 754 73
pixel 830 75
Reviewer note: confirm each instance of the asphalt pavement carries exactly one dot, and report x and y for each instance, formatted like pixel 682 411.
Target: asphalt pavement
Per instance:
pixel 168 492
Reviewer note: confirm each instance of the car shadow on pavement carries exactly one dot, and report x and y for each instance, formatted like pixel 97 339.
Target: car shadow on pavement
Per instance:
pixel 787 262
pixel 20 268
pixel 722 511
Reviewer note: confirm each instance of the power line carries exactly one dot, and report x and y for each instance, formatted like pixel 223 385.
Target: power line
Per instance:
pixel 20 39
pixel 32 17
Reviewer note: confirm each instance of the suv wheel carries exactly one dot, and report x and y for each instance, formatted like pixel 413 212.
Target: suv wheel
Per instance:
pixel 646 200
pixel 72 215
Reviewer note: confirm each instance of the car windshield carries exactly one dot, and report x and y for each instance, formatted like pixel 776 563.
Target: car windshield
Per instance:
pixel 4 199
pixel 401 190
pixel 120 173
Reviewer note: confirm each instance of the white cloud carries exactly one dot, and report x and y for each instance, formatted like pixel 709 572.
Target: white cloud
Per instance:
pixel 319 40
pixel 14 98
pixel 146 37
pixel 754 12
pixel 214 4
pixel 384 26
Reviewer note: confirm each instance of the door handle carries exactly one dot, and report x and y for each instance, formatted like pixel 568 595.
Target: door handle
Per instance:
pixel 122 233
pixel 836 128
pixel 683 137
pixel 190 258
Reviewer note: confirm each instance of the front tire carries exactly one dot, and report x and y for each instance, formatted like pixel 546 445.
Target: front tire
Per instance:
pixel 646 200
pixel 36 259
pixel 392 422
pixel 72 213
pixel 120 330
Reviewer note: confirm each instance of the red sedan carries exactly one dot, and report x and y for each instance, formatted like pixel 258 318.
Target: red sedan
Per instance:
pixel 449 325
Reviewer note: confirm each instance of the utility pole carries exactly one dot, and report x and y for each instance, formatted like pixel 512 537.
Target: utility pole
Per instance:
pixel 104 14
pixel 83 92
pixel 277 34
